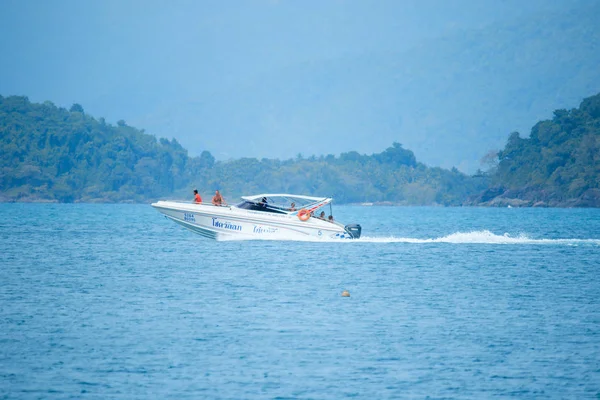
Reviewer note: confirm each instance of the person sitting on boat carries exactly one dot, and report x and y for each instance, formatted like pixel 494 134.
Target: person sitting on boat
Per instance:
pixel 322 215
pixel 197 198
pixel 263 202
pixel 293 207
pixel 330 219
pixel 217 199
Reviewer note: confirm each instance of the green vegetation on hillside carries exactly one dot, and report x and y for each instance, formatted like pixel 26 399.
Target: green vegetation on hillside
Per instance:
pixel 391 176
pixel 558 165
pixel 53 154
pixel 50 153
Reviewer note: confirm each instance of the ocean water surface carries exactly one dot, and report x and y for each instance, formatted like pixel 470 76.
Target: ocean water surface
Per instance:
pixel 115 301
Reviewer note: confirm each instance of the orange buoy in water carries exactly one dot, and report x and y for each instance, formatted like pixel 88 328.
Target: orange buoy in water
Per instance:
pixel 345 293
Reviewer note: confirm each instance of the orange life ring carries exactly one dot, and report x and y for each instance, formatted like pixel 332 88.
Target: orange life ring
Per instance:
pixel 303 215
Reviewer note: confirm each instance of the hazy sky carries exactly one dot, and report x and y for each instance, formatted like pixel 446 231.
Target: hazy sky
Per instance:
pixel 99 52
pixel 122 59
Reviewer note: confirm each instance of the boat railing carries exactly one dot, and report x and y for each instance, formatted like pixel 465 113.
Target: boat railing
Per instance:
pixel 204 203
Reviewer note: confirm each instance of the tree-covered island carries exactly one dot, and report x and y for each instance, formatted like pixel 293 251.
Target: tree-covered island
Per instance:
pixel 557 166
pixel 53 154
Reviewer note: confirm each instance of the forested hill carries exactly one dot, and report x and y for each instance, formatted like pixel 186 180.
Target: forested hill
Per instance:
pixel 558 165
pixel 50 153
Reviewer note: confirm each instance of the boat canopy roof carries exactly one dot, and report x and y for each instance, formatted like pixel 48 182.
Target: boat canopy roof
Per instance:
pixel 283 201
pixel 285 196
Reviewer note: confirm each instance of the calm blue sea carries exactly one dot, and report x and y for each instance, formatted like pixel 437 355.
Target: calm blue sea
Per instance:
pixel 116 302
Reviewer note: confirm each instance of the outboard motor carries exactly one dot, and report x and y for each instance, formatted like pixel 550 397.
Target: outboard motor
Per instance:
pixel 353 230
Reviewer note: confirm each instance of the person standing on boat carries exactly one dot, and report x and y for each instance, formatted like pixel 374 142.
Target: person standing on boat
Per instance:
pixel 197 198
pixel 217 199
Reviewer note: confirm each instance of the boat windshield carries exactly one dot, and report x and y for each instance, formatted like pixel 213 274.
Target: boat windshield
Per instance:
pixel 249 205
pixel 282 203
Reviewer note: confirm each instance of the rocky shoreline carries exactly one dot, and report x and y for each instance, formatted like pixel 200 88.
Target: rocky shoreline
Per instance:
pixel 532 197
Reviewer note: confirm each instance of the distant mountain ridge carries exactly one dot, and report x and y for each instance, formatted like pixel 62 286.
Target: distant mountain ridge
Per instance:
pixel 448 114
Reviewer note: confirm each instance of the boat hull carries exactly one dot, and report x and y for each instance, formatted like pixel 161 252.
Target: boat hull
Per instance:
pixel 217 222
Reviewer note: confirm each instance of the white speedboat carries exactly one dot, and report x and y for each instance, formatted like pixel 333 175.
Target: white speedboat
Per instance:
pixel 268 216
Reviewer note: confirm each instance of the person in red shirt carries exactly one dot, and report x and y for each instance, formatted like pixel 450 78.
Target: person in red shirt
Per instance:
pixel 197 198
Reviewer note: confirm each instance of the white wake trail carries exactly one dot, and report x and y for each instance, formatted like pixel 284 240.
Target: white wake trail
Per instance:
pixel 474 237
pixel 480 237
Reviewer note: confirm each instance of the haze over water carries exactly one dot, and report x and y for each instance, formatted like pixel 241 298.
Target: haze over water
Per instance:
pixel 114 301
